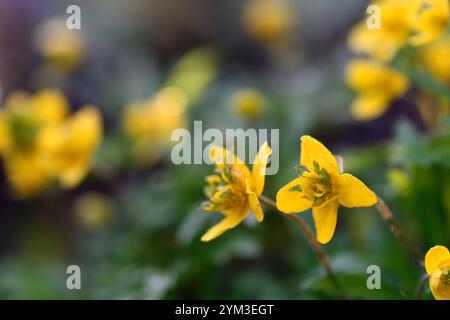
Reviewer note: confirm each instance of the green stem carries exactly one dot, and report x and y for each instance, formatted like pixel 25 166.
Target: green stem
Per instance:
pixel 315 245
pixel 421 286
pixel 387 215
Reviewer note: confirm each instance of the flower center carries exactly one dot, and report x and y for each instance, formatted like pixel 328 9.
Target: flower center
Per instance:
pixel 445 277
pixel 317 185
pixel 23 130
pixel 224 191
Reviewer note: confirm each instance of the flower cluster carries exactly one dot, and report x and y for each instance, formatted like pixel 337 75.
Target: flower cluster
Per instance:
pixel 417 26
pixel 41 143
pixel 234 190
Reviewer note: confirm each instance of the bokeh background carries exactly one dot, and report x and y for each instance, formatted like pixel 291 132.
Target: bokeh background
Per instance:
pixel 133 223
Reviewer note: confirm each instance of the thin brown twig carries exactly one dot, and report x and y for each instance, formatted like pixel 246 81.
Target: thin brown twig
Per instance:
pixel 421 286
pixel 387 215
pixel 315 245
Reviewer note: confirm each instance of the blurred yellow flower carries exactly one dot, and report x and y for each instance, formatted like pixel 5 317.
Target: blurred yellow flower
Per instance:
pixel 269 21
pixel 21 121
pixel 432 21
pixel 323 188
pixel 435 59
pixel 27 126
pixel 402 22
pixel 93 210
pixel 437 265
pixel 248 104
pixel 62 47
pixel 194 72
pixel 234 190
pixel 377 86
pixel 68 147
pixel 150 123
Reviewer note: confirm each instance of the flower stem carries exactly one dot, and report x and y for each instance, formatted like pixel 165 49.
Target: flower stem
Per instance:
pixel 386 214
pixel 421 286
pixel 315 245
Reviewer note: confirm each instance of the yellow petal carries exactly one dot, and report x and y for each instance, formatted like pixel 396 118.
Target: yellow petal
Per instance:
pixel 25 173
pixel 292 201
pixel 221 156
pixel 69 146
pixel 434 256
pixel 229 222
pixel 259 168
pixel 432 21
pixel 354 193
pixel 87 128
pixel 373 42
pixel 363 74
pixel 438 289
pixel 369 106
pixel 49 105
pixel 325 219
pixel 313 150
pixel 73 175
pixel 253 201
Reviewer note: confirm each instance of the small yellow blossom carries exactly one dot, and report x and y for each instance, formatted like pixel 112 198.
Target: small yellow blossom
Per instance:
pixel 377 86
pixel 269 21
pixel 234 190
pixel 248 104
pixel 323 188
pixel 150 123
pixel 435 59
pixel 437 265
pixel 37 137
pixel 397 19
pixel 402 21
pixel 68 147
pixel 62 47
pixel 21 121
pixel 432 21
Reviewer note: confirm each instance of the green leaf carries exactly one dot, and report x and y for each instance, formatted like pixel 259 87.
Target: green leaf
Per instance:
pixel 296 188
pixel 300 170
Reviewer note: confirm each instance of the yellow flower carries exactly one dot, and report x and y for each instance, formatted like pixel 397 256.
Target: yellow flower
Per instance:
pixel 435 61
pixel 402 22
pixel 68 147
pixel 432 21
pixel 151 123
pixel 62 47
pixel 377 87
pixel 248 104
pixel 323 188
pixel 21 121
pixel 39 142
pixel 397 19
pixel 437 265
pixel 269 21
pixel 234 190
